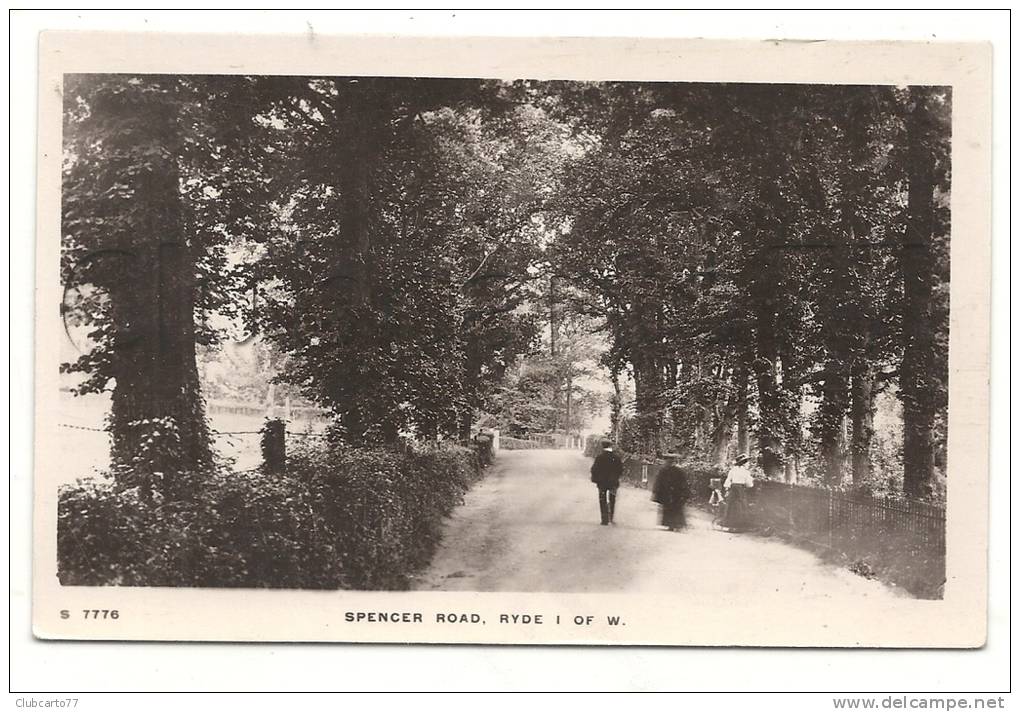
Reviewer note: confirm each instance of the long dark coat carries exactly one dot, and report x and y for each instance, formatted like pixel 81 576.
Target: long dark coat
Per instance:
pixel 672 490
pixel 606 470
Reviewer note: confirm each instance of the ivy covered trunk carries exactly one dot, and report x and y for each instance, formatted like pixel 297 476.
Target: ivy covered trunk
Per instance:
pixel 918 368
pixel 157 414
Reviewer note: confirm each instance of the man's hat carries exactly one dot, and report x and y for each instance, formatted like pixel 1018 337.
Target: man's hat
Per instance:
pixel 741 459
pixel 672 456
pixel 607 443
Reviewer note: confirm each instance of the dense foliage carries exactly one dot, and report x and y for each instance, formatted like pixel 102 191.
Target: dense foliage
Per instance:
pixel 407 221
pixel 160 176
pixel 767 260
pixel 763 262
pixel 336 519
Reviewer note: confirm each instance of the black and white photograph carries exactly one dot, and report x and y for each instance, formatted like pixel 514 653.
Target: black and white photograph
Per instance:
pixel 425 335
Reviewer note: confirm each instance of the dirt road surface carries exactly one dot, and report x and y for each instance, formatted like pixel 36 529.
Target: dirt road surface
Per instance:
pixel 532 525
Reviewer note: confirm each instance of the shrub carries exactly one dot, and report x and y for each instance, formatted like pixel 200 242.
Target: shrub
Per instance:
pixel 386 508
pixel 235 530
pixel 701 474
pixel 336 519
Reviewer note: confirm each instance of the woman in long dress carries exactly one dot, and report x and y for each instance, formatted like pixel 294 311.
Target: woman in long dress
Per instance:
pixel 671 491
pixel 738 481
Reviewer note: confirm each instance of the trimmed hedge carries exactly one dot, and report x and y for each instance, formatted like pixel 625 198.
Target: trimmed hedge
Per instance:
pixel 360 519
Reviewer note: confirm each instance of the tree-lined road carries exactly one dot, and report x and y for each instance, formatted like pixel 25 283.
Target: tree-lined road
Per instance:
pixel 533 525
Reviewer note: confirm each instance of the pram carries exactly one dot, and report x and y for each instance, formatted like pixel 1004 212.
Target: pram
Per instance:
pixel 717 501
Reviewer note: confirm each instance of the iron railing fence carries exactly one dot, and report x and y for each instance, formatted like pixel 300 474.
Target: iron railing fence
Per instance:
pixel 824 511
pixel 813 511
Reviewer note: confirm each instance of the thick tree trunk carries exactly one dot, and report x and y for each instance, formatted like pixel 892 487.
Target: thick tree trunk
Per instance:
pixel 352 282
pixel 723 421
pixel 157 413
pixel 770 422
pixel 647 384
pixel 721 442
pixel 766 286
pixel 830 419
pixel 917 370
pixel 464 426
pixel 355 194
pixel 741 377
pixel 722 431
pixel 793 432
pixel 863 310
pixel 862 415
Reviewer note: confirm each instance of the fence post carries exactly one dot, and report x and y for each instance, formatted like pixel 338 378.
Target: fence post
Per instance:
pixel 483 445
pixel 274 445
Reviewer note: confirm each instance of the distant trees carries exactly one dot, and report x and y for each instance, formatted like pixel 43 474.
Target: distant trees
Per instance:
pixel 734 236
pixel 550 389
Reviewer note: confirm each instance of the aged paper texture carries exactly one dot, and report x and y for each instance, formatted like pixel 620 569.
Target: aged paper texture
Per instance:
pixel 713 587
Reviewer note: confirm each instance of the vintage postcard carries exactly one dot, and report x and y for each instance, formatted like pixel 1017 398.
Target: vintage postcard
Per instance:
pixel 510 341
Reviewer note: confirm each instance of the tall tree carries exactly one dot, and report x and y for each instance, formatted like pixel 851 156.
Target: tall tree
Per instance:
pixel 780 201
pixel 153 170
pixel 920 389
pixel 405 234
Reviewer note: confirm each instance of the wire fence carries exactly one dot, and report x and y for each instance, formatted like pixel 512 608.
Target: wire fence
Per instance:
pixel 212 431
pixel 243 449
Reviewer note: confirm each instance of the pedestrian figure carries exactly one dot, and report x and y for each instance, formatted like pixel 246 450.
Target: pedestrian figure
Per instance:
pixel 672 490
pixel 738 481
pixel 605 473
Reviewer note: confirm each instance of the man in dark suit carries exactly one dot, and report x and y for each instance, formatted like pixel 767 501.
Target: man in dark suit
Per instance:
pixel 605 473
